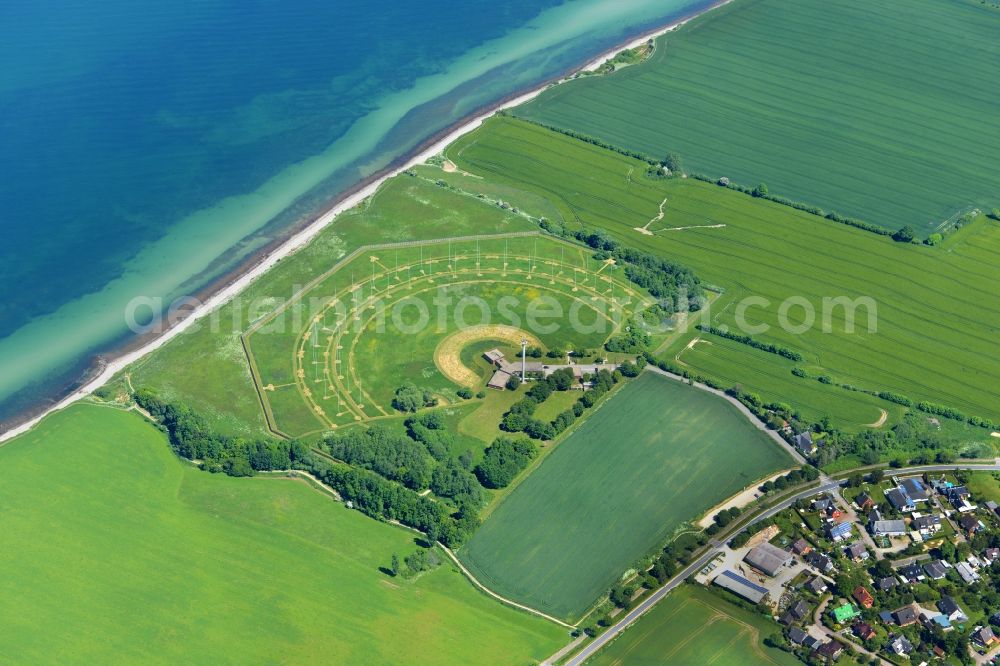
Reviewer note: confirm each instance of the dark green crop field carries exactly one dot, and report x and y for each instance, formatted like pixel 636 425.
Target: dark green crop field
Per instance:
pixel 883 111
pixel 656 454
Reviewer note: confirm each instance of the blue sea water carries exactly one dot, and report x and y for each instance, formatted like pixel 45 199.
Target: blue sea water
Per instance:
pixel 147 147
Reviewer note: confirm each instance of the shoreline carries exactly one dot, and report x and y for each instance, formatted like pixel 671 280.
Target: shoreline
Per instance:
pixel 219 291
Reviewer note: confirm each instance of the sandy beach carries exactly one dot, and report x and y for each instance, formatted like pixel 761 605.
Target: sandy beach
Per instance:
pixel 235 284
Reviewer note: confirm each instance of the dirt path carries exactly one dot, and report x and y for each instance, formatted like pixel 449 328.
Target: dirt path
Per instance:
pixel 509 602
pixel 881 420
pixel 448 354
pixel 740 499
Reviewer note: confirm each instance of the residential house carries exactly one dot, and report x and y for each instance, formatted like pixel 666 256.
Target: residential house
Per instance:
pixel 886 584
pixel 795 613
pixel 959 498
pixel 822 504
pixel 970 524
pixel 915 490
pixel 845 613
pixel 991 555
pixel 864 631
pixel 816 585
pixel 874 516
pixel 811 642
pixel 899 645
pixel 804 443
pixel 991 506
pixel 899 500
pixel 967 573
pixel 926 525
pixel 932 620
pixel 857 551
pixel 768 558
pixel 863 597
pixel 888 528
pixel 797 636
pixel 864 502
pixel 801 547
pixel 985 637
pixel 937 569
pixel 904 616
pixel 911 573
pixel 820 561
pixel 838 531
pixel 830 650
pixel 950 608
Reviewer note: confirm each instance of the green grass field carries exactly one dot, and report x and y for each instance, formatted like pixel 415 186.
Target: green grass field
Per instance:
pixel 656 454
pixel 937 307
pixel 694 626
pixel 336 353
pixel 115 551
pixel 207 366
pixel 857 107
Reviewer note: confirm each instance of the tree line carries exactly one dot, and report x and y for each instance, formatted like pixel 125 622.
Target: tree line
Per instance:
pixel 521 415
pixel 750 342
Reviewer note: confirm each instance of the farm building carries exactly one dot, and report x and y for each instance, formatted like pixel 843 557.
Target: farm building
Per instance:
pixel 499 380
pixel 739 585
pixel 768 559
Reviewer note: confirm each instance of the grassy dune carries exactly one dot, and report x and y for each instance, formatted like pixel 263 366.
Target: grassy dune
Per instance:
pixel 105 529
pixel 870 109
pixel 655 455
pixel 938 309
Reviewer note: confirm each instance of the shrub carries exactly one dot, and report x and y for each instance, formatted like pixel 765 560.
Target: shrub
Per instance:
pixel 503 460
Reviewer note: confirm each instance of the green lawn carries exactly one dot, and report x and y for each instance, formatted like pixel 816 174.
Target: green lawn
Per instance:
pixel 694 626
pixel 863 108
pixel 207 366
pixel 937 307
pixel 656 454
pixel 115 551
pixel 336 354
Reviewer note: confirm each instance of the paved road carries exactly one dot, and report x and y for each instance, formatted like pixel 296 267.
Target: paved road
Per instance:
pixel 712 553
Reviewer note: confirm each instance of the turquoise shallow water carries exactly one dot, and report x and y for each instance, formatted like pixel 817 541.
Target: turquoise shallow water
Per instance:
pixel 146 147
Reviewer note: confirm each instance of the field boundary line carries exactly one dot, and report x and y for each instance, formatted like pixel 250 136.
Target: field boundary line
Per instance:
pixel 509 602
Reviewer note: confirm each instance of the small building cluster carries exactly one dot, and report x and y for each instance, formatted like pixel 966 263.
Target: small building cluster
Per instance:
pixel 506 369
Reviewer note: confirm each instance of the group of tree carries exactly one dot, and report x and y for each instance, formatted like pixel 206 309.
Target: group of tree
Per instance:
pixel 394 456
pixel 192 438
pixel 409 398
pixel 429 429
pixel 632 340
pixel 384 471
pixel 521 415
pixel 381 498
pixel 669 282
pixel 503 460
pixel 422 559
